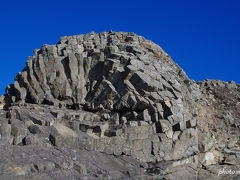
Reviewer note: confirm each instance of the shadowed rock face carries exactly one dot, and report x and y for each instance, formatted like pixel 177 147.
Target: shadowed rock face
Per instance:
pixel 123 106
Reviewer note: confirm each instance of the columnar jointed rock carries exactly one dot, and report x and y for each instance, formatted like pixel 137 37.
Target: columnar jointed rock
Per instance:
pixel 118 94
pixel 123 74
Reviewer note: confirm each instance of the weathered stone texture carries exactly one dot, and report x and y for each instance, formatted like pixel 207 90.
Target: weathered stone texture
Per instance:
pixel 114 105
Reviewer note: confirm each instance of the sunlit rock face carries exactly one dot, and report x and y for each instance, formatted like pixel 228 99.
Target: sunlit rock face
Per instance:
pixel 115 105
pixel 100 71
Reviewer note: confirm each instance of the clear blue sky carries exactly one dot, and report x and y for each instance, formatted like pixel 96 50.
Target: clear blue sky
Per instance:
pixel 202 36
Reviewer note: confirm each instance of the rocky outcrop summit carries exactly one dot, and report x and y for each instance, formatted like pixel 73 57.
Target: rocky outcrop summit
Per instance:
pixel 114 105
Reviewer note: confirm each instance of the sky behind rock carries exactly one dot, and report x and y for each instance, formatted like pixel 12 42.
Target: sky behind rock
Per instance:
pixel 201 36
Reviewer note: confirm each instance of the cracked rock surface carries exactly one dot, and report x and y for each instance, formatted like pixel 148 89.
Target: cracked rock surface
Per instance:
pixel 114 105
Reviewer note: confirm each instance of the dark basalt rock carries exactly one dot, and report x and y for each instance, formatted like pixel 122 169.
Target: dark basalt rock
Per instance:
pixel 114 105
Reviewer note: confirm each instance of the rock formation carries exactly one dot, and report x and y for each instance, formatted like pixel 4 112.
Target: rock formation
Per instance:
pixel 114 105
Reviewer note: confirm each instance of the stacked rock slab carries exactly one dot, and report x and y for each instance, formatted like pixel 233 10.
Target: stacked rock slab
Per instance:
pixel 133 86
pixel 114 105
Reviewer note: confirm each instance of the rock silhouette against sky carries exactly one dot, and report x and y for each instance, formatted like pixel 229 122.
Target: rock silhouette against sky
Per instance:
pixel 114 105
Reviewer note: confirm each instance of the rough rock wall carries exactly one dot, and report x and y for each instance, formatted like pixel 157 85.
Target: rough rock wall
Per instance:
pixel 136 91
pixel 78 68
pixel 116 94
